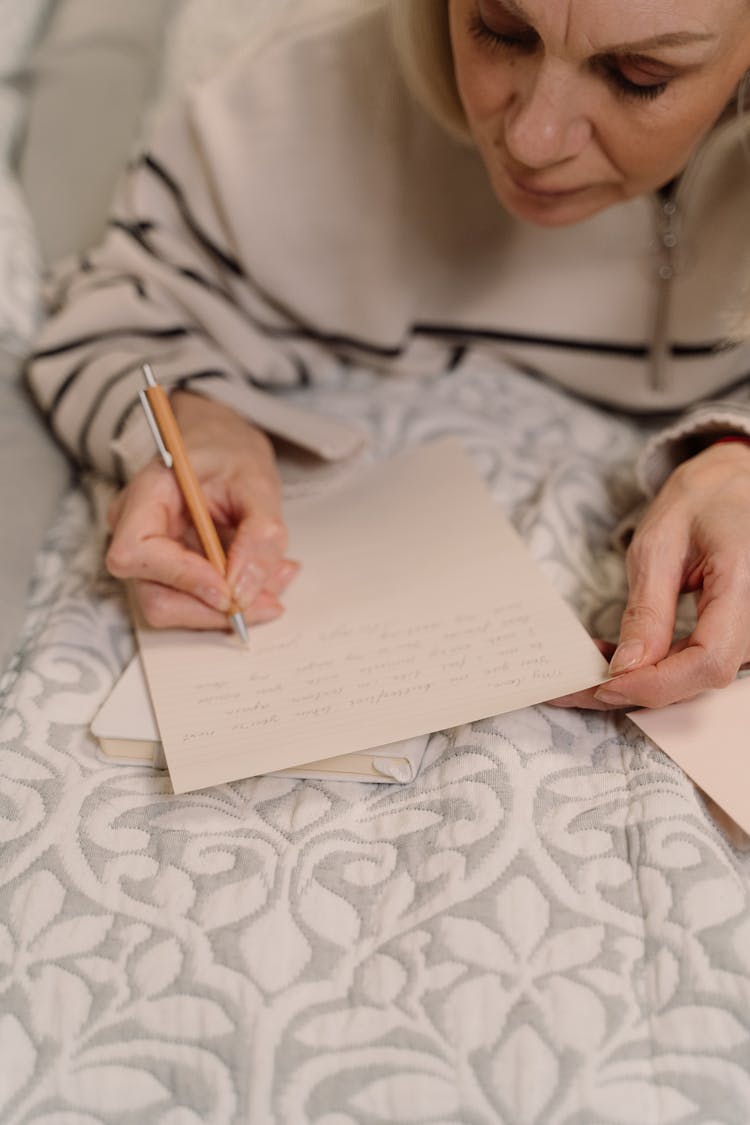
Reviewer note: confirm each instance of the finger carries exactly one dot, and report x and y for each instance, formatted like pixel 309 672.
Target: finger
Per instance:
pixel 167 608
pixel 144 546
pixel 162 561
pixel 586 700
pixel 282 577
pixel 590 700
pixel 678 677
pixel 709 658
pixel 257 552
pixel 655 573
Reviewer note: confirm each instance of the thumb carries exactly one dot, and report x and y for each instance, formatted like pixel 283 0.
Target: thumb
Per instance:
pixel 648 619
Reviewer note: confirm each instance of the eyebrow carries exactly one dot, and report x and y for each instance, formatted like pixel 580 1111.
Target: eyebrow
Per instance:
pixel 669 39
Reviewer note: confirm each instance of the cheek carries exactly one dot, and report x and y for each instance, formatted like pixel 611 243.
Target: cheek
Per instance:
pixel 671 129
pixel 485 89
pixel 649 158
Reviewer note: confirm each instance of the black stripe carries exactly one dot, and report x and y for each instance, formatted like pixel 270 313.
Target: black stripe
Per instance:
pixel 134 231
pixel 111 281
pixel 303 371
pixel 62 390
pixel 334 340
pixel 180 384
pixel 469 336
pixel 102 392
pixel 119 471
pixel 226 259
pixel 184 381
pixel 272 331
pixel 598 347
pixel 223 257
pixel 138 229
pixel 124 418
pixel 687 351
pixel 113 334
pixel 568 343
pixel 457 333
pixel 456 358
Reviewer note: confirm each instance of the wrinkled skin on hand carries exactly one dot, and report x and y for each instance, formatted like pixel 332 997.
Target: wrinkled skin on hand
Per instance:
pixel 695 537
pixel 154 543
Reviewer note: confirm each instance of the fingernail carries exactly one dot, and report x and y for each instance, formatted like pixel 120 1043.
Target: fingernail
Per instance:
pixel 217 599
pixel 249 583
pixel 265 613
pixel 627 655
pixel 614 698
pixel 286 572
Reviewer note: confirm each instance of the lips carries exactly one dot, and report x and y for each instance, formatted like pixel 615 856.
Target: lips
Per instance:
pixel 529 187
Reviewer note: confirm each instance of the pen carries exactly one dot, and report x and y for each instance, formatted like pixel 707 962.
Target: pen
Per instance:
pixel 163 425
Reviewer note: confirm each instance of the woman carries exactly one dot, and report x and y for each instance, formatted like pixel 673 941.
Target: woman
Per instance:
pixel 563 183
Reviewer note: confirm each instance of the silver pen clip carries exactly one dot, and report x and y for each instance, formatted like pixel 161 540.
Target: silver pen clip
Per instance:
pixel 153 425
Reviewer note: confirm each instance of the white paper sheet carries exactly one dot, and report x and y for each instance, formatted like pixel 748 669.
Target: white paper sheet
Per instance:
pixel 709 737
pixel 417 608
pixel 126 729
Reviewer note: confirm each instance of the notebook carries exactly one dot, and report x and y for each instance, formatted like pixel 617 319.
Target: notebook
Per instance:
pixel 125 727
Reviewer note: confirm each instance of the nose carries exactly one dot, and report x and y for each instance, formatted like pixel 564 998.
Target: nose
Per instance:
pixel 544 122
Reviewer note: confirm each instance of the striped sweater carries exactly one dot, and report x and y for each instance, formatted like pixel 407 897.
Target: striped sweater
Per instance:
pixel 303 209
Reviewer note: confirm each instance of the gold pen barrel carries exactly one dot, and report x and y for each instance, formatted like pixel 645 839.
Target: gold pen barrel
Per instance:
pixel 190 488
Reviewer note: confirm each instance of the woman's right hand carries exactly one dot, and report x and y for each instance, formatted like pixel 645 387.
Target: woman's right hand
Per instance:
pixel 155 545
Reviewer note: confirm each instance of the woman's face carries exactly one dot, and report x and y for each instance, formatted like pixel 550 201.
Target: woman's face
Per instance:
pixel 579 104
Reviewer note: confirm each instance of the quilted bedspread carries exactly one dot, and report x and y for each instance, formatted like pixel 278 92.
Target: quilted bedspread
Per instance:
pixel 547 926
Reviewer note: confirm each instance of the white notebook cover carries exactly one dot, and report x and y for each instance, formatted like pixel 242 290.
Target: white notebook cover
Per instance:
pixel 126 730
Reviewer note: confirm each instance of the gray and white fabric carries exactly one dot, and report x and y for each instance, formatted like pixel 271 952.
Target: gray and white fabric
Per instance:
pixel 546 927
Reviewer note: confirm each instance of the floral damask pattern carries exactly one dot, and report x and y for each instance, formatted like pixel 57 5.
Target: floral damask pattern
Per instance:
pixel 545 928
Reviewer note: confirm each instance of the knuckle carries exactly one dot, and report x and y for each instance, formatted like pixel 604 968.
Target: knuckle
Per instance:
pixel 640 615
pixel 638 556
pixel 271 530
pixel 682 475
pixel 154 609
pixel 180 575
pixel 119 559
pixel 721 669
pixel 647 543
pixel 260 441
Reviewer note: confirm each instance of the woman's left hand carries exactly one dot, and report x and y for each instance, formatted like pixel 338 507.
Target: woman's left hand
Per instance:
pixel 694 537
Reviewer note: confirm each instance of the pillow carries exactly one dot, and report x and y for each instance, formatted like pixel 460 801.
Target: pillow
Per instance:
pixel 95 71
pixel 19 258
pixel 204 33
pixel 99 71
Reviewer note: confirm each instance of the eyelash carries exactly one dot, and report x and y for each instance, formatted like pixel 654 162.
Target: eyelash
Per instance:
pixel 623 86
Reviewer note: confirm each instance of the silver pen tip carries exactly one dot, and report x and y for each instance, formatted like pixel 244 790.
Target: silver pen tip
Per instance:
pixel 240 627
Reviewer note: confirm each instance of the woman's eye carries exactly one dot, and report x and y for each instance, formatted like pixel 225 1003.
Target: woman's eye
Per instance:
pixel 646 87
pixel 515 36
pixel 631 77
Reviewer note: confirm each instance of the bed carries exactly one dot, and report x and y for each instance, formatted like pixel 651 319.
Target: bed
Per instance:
pixel 549 925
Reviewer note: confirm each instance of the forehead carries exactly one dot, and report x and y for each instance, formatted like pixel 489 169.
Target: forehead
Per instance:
pixel 596 23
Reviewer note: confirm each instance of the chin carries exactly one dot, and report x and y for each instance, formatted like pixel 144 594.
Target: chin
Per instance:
pixel 558 212
pixel 555 210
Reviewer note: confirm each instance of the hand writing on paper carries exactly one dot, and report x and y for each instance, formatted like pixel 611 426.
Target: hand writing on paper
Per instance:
pixel 695 537
pixel 154 543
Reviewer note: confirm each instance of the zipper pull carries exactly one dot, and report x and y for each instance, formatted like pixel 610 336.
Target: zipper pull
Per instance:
pixel 669 239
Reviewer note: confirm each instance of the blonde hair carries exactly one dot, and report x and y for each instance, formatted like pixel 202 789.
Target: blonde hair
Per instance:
pixel 421 34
